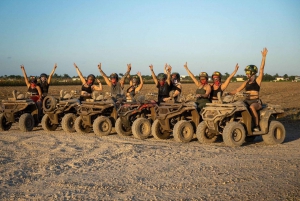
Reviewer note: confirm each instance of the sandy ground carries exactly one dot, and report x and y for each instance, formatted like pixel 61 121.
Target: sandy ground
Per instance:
pixel 41 165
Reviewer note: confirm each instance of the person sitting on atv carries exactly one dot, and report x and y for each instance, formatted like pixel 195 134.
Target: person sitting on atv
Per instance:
pixel 175 83
pixel 163 83
pixel 136 84
pixel 116 85
pixel 88 86
pixel 218 86
pixel 35 91
pixel 45 81
pixel 252 87
pixel 204 89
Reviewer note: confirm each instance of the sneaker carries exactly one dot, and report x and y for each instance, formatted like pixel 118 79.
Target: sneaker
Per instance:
pixel 256 129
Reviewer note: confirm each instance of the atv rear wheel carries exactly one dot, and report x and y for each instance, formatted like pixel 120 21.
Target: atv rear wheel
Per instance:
pixel 121 129
pixel 183 131
pixel 26 122
pixel 141 128
pixel 4 124
pixel 80 127
pixel 47 124
pixel 276 134
pixel 102 126
pixel 68 122
pixel 203 134
pixel 157 131
pixel 49 103
pixel 234 134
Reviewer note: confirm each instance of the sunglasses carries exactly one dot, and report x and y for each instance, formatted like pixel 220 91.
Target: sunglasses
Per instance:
pixel 248 72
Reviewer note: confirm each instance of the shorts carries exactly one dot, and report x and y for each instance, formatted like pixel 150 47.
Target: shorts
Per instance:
pixel 251 101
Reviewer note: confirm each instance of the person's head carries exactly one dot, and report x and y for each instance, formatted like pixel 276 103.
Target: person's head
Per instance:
pixel 161 77
pixel 250 70
pixel 135 81
pixel 43 77
pixel 203 76
pixel 175 77
pixel 33 81
pixel 114 78
pixel 216 77
pixel 90 79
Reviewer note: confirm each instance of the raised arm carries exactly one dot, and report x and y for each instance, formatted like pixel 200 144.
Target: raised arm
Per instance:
pixel 51 74
pixel 166 68
pixel 169 69
pixel 98 88
pixel 79 74
pixel 262 66
pixel 226 83
pixel 107 81
pixel 191 74
pixel 153 75
pixel 122 81
pixel 141 82
pixel 25 76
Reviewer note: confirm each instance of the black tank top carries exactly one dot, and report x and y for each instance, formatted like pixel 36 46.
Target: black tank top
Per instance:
pixel 33 91
pixel 44 88
pixel 132 93
pixel 253 86
pixel 214 92
pixel 87 89
pixel 176 88
pixel 163 91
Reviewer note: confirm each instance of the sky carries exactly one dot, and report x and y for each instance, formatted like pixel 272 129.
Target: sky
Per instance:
pixel 208 35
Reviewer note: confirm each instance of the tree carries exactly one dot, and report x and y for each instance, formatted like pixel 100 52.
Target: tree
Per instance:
pixel 285 76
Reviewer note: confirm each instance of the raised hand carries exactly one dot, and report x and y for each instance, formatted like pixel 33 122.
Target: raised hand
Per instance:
pixel 75 65
pixel 22 66
pixel 151 67
pixel 55 65
pixel 139 74
pixel 264 52
pixel 185 65
pixel 236 66
pixel 128 67
pixel 98 81
pixel 99 66
pixel 169 69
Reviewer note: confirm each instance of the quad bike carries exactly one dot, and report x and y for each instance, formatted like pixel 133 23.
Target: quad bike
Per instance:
pixel 98 114
pixel 136 117
pixel 62 111
pixel 232 119
pixel 180 118
pixel 21 108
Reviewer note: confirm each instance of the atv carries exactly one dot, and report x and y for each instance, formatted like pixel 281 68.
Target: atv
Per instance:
pixel 180 118
pixel 98 114
pixel 136 117
pixel 62 111
pixel 21 108
pixel 231 118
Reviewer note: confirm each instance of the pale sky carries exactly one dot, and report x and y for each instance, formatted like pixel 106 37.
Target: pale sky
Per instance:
pixel 209 35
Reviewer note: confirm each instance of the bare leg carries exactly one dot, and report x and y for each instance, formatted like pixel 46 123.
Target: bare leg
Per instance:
pixel 254 107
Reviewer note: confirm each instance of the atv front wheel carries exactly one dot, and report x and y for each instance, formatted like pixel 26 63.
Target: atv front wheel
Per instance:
pixel 203 134
pixel 80 127
pixel 157 131
pixel 141 128
pixel 121 129
pixel 102 126
pixel 276 134
pixel 183 131
pixel 68 122
pixel 4 124
pixel 26 122
pixel 47 124
pixel 234 134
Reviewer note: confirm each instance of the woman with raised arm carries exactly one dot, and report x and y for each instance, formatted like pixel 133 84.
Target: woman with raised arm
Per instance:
pixel 218 86
pixel 116 85
pixel 163 83
pixel 45 81
pixel 203 88
pixel 88 86
pixel 252 87
pixel 34 90
pixel 175 84
pixel 136 84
